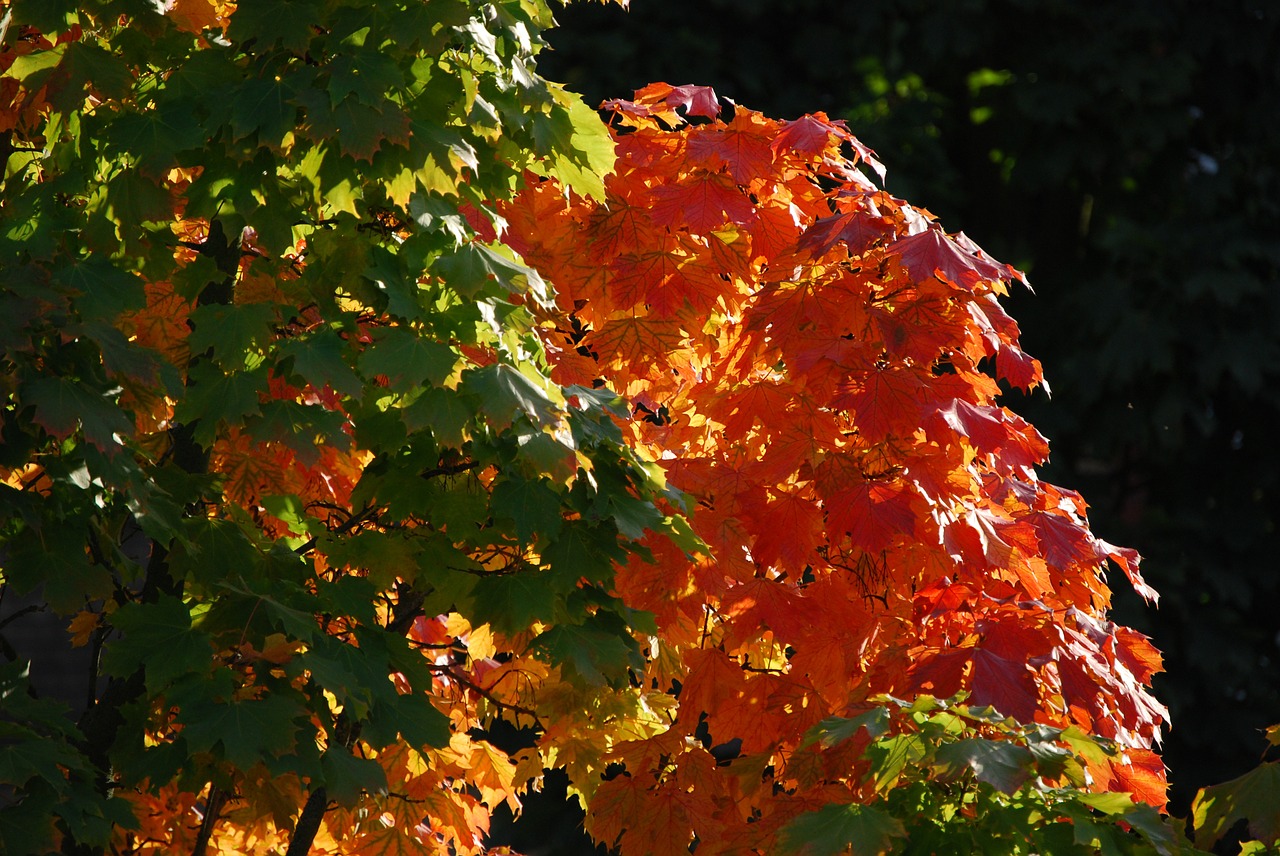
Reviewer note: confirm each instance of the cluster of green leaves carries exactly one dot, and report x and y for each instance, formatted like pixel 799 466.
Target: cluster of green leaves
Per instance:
pixel 273 392
pixel 1253 798
pixel 946 777
pixel 56 780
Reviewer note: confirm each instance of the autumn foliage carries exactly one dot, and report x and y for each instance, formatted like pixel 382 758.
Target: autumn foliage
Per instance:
pixel 367 407
pixel 805 354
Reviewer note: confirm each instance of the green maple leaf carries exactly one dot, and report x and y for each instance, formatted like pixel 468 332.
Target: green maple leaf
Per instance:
pixel 388 274
pixel 1003 765
pixel 531 504
pixel 284 22
pixel 51 17
pixel 104 291
pixel 583 551
pixel 153 138
pixel 512 602
pixel 302 427
pixel 359 128
pixel 366 73
pixel 410 716
pixel 89 816
pixel 266 107
pixel 290 509
pixel 25 825
pixel 321 359
pixel 835 828
pixel 203 72
pixel 122 358
pixel 41 716
pixel 62 404
pixel 383 555
pixel 159 638
pixel 446 413
pixel 352 674
pixel 449 147
pixel 837 729
pixel 1251 797
pixel 245 730
pixel 230 332
pixel 216 548
pixel 346 777
pixel 891 755
pixel 432 212
pixel 131 199
pixel 214 398
pixel 470 267
pixel 57 560
pixel 408 359
pixel 506 394
pixel 597 653
pixel 34 68
pixel 26 754
pixel 634 517
pixel 88 65
pixel 579 147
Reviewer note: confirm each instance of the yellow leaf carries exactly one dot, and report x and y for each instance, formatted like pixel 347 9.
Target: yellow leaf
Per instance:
pixel 196 16
pixel 493 774
pixel 480 643
pixel 81 627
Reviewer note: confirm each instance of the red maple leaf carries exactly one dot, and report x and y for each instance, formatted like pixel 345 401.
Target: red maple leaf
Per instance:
pixel 872 514
pixel 701 202
pixel 662 100
pixel 1006 684
pixel 940 673
pixel 1128 559
pixel 886 400
pixel 934 253
pixel 742 145
pixel 1141 773
pixel 858 229
pixel 811 134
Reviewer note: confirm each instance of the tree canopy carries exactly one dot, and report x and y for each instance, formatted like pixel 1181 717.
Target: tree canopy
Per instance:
pixel 365 391
pixel 1117 156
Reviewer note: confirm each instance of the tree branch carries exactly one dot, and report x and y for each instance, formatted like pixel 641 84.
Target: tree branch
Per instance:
pixel 304 832
pixel 212 810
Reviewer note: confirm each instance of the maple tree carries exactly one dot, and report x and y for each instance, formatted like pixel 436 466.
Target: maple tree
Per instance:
pixel 278 436
pixel 804 353
pixel 375 402
pixel 1114 157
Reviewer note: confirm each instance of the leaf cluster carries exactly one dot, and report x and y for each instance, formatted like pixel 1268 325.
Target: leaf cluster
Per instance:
pixel 945 777
pixel 279 438
pixel 818 363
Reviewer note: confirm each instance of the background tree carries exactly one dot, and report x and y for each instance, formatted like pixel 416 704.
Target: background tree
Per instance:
pixel 1118 156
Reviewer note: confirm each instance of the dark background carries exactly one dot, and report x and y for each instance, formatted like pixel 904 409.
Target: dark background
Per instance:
pixel 1127 156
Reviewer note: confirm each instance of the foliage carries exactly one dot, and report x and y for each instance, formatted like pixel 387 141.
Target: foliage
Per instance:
pixel 303 444
pixel 279 442
pixel 1251 797
pixel 958 779
pixel 1116 154
pixel 805 355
